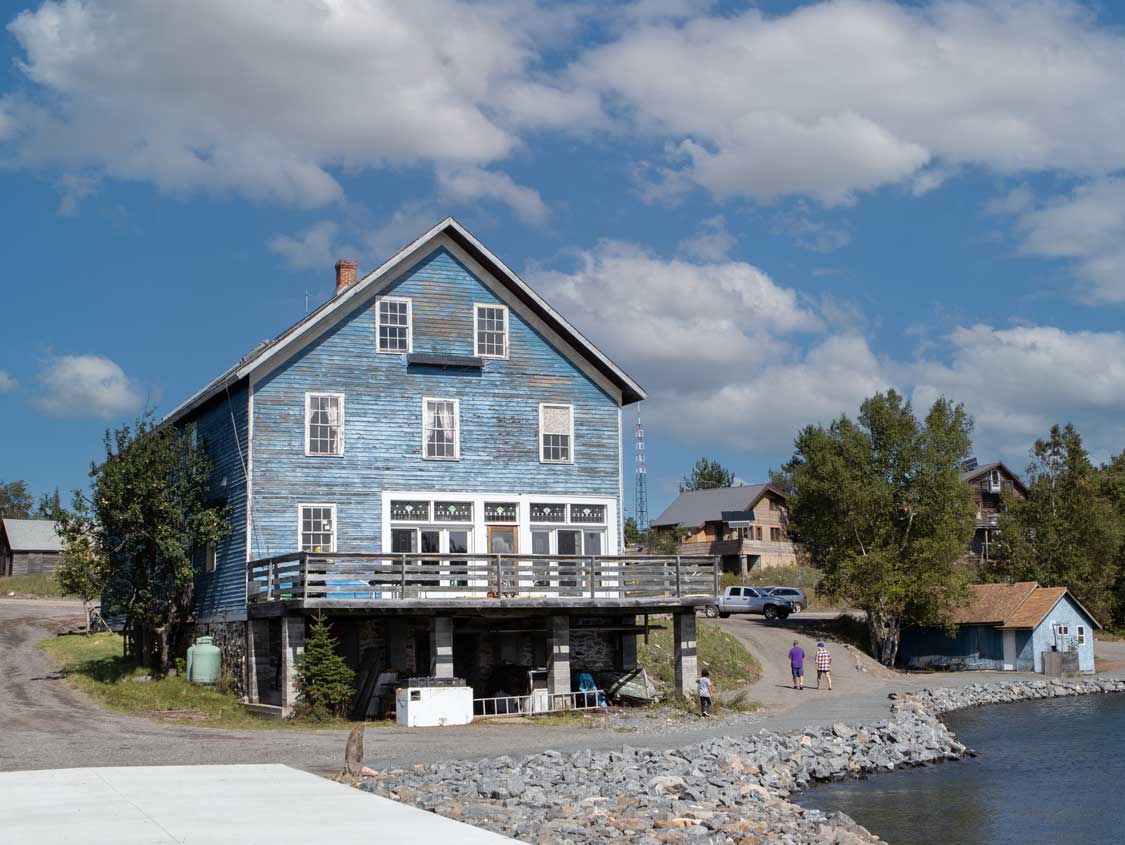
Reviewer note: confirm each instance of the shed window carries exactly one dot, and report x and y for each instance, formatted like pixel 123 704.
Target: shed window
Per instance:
pixel 1080 635
pixel 556 424
pixel 318 528
pixel 394 324
pixel 490 338
pixel 441 428
pixel 324 424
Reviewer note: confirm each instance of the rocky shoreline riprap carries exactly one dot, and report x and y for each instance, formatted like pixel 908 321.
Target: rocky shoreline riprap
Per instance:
pixel 729 790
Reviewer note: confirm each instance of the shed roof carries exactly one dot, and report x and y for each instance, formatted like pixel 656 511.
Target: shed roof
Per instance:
pixel 692 508
pixel 993 604
pixel 1021 605
pixel 32 535
pixel 267 354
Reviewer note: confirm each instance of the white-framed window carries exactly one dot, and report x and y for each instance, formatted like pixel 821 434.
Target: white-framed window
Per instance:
pixel 1080 635
pixel 324 424
pixel 490 331
pixel 556 433
pixel 394 324
pixel 441 429
pixel 316 527
pixel 209 556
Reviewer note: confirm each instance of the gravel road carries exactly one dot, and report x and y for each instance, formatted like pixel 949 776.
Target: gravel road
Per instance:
pixel 47 724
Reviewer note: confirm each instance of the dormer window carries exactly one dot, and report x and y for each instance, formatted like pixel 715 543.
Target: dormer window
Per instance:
pixel 393 324
pixel 490 335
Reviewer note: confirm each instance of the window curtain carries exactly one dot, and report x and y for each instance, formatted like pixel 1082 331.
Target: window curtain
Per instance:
pixel 445 419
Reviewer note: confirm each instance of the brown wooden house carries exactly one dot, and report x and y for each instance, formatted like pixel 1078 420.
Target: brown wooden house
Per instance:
pixel 993 485
pixel 746 526
pixel 28 546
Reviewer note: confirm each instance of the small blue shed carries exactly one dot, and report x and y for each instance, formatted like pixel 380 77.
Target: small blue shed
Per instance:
pixel 1006 627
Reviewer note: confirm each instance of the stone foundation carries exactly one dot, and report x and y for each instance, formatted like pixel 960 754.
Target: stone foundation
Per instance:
pixel 230 637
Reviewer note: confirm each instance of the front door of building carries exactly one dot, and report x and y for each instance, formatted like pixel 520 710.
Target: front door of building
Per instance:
pixel 502 539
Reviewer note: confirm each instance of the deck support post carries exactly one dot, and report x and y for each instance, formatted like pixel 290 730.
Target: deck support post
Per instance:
pixel 441 647
pixel 628 645
pixel 686 661
pixel 257 655
pixel 292 648
pixel 558 655
pixel 743 569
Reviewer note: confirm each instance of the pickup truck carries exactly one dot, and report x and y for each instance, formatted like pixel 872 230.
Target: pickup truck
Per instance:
pixel 750 600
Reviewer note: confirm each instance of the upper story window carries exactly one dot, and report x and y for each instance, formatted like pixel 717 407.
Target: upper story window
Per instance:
pixel 556 429
pixel 394 324
pixel 441 429
pixel 490 334
pixel 317 528
pixel 324 423
pixel 775 534
pixel 775 505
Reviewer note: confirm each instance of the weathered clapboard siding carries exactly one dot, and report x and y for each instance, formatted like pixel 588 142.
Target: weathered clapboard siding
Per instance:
pixel 499 415
pixel 222 429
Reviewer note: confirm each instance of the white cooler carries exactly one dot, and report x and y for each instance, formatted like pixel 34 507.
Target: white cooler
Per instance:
pixel 432 707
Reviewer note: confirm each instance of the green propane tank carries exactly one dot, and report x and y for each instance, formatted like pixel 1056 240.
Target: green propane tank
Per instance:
pixel 203 662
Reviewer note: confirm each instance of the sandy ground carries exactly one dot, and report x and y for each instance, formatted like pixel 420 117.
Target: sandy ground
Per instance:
pixel 47 724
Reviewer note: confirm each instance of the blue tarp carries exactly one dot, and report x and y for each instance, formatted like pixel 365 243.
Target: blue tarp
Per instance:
pixel 586 684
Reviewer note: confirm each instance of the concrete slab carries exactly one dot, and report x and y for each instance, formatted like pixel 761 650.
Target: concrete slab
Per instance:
pixel 192 805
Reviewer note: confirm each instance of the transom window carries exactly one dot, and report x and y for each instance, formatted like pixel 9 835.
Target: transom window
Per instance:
pixel 453 511
pixel 556 423
pixel 501 511
pixel 587 514
pixel 324 423
pixel 394 324
pixel 318 528
pixel 548 512
pixel 441 428
pixel 410 511
pixel 490 338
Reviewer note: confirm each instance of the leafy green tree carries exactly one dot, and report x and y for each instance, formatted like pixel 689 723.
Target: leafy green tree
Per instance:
pixel 325 682
pixel 15 500
pixel 881 510
pixel 83 570
pixel 633 535
pixel 1067 531
pixel 50 507
pixel 707 475
pixel 662 541
pixel 149 510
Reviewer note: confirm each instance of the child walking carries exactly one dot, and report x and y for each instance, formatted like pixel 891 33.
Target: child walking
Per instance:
pixel 705 693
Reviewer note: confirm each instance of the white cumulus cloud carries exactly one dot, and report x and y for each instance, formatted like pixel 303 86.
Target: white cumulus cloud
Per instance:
pixel 840 97
pixel 7 383
pixel 86 386
pixel 267 99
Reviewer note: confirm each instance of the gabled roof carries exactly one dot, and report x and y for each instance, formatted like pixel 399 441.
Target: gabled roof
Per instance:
pixel 269 354
pixel 972 475
pixel 32 535
pixel 1021 605
pixel 692 508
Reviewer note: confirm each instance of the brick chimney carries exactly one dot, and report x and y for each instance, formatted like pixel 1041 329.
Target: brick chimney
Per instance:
pixel 345 275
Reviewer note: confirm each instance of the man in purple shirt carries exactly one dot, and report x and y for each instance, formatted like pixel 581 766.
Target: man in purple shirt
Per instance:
pixel 797 664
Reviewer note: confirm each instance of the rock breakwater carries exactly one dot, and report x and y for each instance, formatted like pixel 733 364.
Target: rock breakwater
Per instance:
pixel 728 790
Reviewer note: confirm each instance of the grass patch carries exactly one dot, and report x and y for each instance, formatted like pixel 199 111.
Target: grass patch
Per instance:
pixel 95 665
pixel 802 577
pixel 732 667
pixel 41 586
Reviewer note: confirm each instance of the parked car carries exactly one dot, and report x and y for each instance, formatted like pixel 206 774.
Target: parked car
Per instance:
pixel 750 600
pixel 795 595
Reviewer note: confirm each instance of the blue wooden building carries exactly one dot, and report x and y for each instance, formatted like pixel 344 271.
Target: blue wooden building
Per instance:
pixel 1006 627
pixel 388 455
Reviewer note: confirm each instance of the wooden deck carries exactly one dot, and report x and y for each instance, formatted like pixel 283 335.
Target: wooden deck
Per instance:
pixel 416 583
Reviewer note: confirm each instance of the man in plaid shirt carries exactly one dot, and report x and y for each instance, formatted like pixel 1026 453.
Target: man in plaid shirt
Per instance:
pixel 823 665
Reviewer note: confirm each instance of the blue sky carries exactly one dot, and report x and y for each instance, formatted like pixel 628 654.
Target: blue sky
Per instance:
pixel 765 212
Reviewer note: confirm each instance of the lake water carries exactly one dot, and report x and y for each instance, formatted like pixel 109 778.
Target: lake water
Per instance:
pixel 1047 772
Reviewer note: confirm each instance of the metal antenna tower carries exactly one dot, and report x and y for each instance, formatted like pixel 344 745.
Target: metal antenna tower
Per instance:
pixel 642 477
